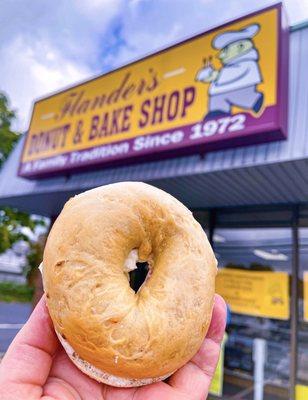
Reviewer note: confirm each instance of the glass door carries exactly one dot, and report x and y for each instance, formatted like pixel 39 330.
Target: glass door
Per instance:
pixel 254 277
pixel 302 357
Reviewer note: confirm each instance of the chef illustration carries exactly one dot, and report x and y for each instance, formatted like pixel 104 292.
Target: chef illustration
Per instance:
pixel 235 83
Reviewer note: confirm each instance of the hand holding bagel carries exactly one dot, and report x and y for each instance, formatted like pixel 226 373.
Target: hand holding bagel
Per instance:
pixel 111 332
pixel 36 367
pixel 118 341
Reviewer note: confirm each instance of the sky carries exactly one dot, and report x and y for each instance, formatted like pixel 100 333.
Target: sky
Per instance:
pixel 47 45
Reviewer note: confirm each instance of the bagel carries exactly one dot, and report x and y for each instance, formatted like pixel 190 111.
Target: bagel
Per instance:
pixel 112 333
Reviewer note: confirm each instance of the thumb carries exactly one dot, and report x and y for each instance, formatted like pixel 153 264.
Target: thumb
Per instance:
pixel 28 360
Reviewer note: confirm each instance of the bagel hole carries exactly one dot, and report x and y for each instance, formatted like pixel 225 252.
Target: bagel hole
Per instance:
pixel 138 275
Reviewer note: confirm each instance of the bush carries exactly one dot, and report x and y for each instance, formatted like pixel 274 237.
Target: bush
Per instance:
pixel 10 292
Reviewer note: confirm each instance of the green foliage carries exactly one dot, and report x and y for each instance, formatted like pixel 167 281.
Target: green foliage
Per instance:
pixel 12 221
pixel 10 292
pixel 12 224
pixel 35 256
pixel 8 138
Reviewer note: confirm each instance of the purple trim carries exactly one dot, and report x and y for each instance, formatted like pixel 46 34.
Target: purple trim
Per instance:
pixel 178 141
pixel 283 70
pixel 271 125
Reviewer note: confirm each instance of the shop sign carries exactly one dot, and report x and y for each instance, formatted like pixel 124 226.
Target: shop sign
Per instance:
pixel 261 294
pixel 223 88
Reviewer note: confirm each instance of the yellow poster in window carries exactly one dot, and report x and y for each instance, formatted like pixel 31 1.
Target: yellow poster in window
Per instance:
pixel 306 297
pixel 218 379
pixel 301 392
pixel 257 293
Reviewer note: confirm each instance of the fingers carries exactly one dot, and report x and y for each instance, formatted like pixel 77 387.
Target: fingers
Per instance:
pixel 218 323
pixel 156 391
pixel 28 359
pixel 195 377
pixel 63 370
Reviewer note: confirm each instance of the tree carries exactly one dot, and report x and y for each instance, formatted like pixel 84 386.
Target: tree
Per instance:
pixel 14 224
pixel 8 138
pixel 35 257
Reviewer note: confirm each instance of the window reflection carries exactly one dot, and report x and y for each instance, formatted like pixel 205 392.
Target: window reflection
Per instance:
pixel 302 372
pixel 256 249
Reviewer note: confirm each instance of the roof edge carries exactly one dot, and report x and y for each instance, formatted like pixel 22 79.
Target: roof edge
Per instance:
pixel 300 25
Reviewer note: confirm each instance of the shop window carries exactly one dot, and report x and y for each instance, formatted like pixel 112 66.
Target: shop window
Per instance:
pixel 255 268
pixel 302 368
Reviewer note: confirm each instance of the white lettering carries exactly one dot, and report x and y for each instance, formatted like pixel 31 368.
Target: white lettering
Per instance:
pixel 99 153
pixel 221 126
pixel 152 141
pixel 53 162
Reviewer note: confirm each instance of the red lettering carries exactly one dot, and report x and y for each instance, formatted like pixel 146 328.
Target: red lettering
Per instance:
pixel 189 97
pixel 126 118
pixel 115 95
pixel 141 87
pixel 104 128
pixel 98 102
pixel 128 91
pixel 159 103
pixel 31 148
pixel 83 107
pixel 173 105
pixel 155 81
pixel 145 113
pixel 71 102
pixel 115 121
pixel 94 127
pixel 48 140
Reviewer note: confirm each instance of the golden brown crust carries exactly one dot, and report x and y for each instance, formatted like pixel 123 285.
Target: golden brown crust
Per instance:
pixel 102 376
pixel 131 335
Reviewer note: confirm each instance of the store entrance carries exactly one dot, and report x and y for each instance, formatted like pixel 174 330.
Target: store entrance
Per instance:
pixel 255 268
pixel 255 252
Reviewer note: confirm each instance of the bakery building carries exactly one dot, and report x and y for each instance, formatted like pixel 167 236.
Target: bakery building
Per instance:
pixel 219 121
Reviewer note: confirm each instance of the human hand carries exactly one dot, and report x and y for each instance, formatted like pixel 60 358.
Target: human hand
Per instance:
pixel 207 73
pixel 207 62
pixel 36 367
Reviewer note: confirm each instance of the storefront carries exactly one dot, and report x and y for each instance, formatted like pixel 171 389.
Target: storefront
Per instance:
pixel 242 169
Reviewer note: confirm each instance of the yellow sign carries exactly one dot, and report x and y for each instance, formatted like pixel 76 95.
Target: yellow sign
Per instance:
pixel 301 392
pixel 218 379
pixel 218 86
pixel 305 296
pixel 262 294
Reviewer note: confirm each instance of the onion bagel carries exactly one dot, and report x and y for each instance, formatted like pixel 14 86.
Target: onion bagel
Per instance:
pixel 112 333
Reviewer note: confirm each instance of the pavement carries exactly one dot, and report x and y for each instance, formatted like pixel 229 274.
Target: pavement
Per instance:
pixel 12 318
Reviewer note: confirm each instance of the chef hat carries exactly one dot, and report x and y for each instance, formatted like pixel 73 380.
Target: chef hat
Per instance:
pixel 223 39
